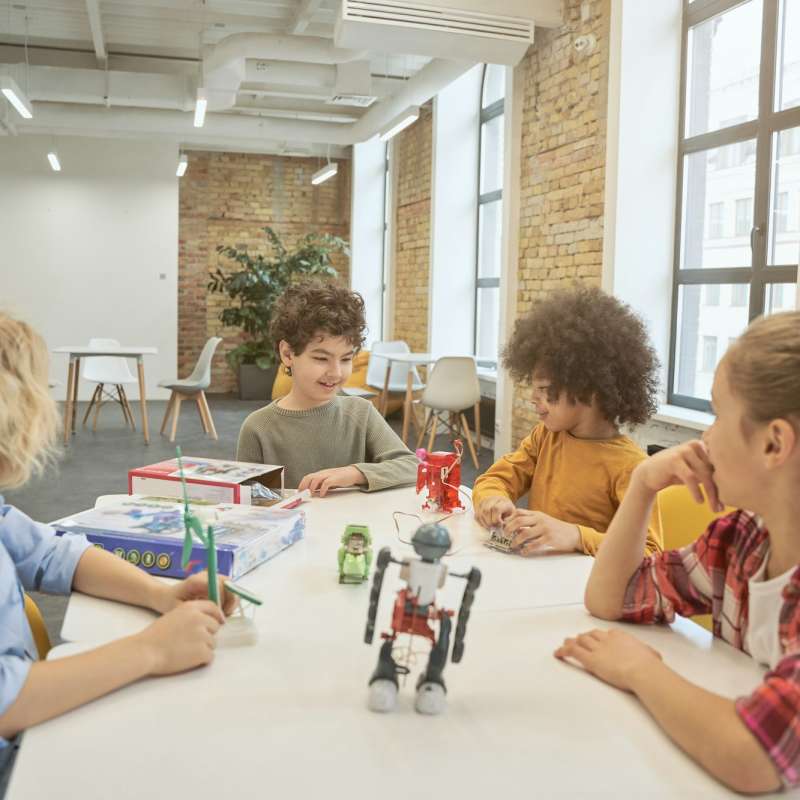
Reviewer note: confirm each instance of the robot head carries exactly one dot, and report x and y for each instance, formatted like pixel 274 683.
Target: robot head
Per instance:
pixel 431 541
pixel 357 530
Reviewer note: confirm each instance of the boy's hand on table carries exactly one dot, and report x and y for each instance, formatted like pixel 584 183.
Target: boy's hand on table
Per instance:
pixel 183 638
pixel 195 587
pixel 686 463
pixel 533 530
pixel 322 482
pixel 614 656
pixel 493 510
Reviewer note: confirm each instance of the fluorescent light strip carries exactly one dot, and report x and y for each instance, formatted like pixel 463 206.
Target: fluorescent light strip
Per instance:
pixel 321 175
pixel 200 106
pixel 15 96
pixel 408 117
pixel 54 162
pixel 183 163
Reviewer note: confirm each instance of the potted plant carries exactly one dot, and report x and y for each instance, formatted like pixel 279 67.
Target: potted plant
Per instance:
pixel 254 287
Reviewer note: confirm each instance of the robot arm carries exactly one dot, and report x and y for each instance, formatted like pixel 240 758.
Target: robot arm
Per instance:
pixel 473 582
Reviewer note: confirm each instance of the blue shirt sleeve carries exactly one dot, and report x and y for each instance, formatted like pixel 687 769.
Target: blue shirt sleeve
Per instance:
pixel 44 562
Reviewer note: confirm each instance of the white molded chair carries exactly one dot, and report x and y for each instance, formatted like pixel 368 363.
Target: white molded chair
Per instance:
pixel 398 375
pixel 192 388
pixel 452 388
pixel 108 371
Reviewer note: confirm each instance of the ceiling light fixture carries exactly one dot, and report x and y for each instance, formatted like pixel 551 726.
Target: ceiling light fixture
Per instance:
pixel 183 163
pixel 321 175
pixel 52 157
pixel 400 122
pixel 15 96
pixel 200 106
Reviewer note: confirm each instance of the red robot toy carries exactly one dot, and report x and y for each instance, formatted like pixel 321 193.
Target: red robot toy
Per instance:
pixel 440 474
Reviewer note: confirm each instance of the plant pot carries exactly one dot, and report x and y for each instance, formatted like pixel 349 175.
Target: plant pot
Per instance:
pixel 256 383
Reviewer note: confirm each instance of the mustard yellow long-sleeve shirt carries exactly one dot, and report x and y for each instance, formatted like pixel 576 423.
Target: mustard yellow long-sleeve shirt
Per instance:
pixel 581 481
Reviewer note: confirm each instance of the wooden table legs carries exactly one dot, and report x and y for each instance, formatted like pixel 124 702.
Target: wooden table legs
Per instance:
pixel 143 400
pixel 69 400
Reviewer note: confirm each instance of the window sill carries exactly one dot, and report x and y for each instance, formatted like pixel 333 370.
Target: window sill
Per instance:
pixel 684 417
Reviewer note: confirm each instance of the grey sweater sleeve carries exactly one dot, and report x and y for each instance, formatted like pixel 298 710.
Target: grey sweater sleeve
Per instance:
pixel 249 446
pixel 389 462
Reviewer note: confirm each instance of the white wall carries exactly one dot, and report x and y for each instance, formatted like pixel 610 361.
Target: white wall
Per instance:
pixel 366 230
pixel 92 250
pixel 454 205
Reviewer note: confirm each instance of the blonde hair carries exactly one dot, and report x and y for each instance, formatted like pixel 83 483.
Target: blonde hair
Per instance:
pixel 764 368
pixel 28 417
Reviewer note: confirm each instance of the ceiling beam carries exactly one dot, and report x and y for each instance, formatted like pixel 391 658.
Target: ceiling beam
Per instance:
pixel 93 9
pixel 303 16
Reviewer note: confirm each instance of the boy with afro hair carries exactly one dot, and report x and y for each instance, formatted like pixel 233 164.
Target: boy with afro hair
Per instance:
pixel 591 367
pixel 326 441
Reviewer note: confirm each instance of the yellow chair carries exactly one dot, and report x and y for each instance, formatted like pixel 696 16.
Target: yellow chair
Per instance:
pixel 36 621
pixel 683 520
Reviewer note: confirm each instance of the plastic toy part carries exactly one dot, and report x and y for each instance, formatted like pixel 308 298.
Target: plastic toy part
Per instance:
pixel 238 631
pixel 499 541
pixel 440 475
pixel 355 554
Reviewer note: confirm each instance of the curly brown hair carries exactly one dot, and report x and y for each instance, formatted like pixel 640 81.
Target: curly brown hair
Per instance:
pixel 311 307
pixel 590 345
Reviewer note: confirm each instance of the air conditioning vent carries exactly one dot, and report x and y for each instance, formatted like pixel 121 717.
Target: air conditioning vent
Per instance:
pixel 354 100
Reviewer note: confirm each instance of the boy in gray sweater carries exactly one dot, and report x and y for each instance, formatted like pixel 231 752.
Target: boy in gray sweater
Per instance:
pixel 325 441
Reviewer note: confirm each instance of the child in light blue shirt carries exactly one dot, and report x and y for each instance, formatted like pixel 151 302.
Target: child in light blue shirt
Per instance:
pixel 33 558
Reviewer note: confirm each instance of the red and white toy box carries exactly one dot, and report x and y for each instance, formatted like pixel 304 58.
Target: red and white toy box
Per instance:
pixel 206 479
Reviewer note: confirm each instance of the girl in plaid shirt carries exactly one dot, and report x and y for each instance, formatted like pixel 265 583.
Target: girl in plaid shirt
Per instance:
pixel 743 570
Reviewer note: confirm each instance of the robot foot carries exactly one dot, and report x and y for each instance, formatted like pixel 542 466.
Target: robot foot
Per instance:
pixel 431 698
pixel 382 695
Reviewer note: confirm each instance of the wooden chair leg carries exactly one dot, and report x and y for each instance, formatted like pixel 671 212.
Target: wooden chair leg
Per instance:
pixel 209 421
pixel 175 414
pixel 434 426
pixel 468 437
pixel 128 407
pixel 122 406
pixel 97 407
pixel 168 412
pixel 478 426
pixel 91 403
pixel 201 413
pixel 424 430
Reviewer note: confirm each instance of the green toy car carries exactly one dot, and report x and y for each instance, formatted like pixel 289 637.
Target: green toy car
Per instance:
pixel 355 554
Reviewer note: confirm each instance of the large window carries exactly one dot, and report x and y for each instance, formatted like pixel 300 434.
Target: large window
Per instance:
pixel 738 208
pixel 490 213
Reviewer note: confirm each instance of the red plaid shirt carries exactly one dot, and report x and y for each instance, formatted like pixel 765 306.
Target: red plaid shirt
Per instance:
pixel 710 576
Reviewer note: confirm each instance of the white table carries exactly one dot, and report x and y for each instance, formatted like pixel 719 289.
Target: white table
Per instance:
pixel 287 718
pixel 78 352
pixel 302 582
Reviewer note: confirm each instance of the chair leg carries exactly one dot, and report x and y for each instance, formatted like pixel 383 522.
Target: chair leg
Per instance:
pixel 128 407
pixel 478 426
pixel 209 421
pixel 91 403
pixel 434 426
pixel 97 407
pixel 201 413
pixel 468 437
pixel 175 414
pixel 122 405
pixel 168 411
pixel 424 430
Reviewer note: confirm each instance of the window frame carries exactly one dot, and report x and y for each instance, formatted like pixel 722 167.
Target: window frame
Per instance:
pixel 763 129
pixel 485 115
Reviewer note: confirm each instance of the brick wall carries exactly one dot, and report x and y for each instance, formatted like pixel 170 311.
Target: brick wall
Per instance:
pixel 562 167
pixel 228 198
pixel 413 152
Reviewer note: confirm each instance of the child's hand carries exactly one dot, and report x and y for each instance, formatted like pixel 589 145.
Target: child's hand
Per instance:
pixel 493 510
pixel 614 656
pixel 183 638
pixel 337 478
pixel 532 530
pixel 195 587
pixel 686 463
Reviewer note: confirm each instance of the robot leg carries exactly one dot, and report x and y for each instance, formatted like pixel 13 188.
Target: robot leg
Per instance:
pixel 383 684
pixel 431 690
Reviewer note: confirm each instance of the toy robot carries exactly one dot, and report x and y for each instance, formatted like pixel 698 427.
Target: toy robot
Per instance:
pixel 440 474
pixel 414 609
pixel 355 554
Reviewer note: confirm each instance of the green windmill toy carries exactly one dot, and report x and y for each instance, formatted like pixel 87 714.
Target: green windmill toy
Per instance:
pixel 194 527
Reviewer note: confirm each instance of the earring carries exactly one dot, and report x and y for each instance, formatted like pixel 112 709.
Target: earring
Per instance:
pixel 288 371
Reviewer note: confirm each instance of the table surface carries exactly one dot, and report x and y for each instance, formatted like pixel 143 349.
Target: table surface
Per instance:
pixel 287 716
pixel 85 350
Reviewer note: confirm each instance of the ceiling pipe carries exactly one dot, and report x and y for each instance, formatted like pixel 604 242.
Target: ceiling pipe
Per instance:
pixel 225 64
